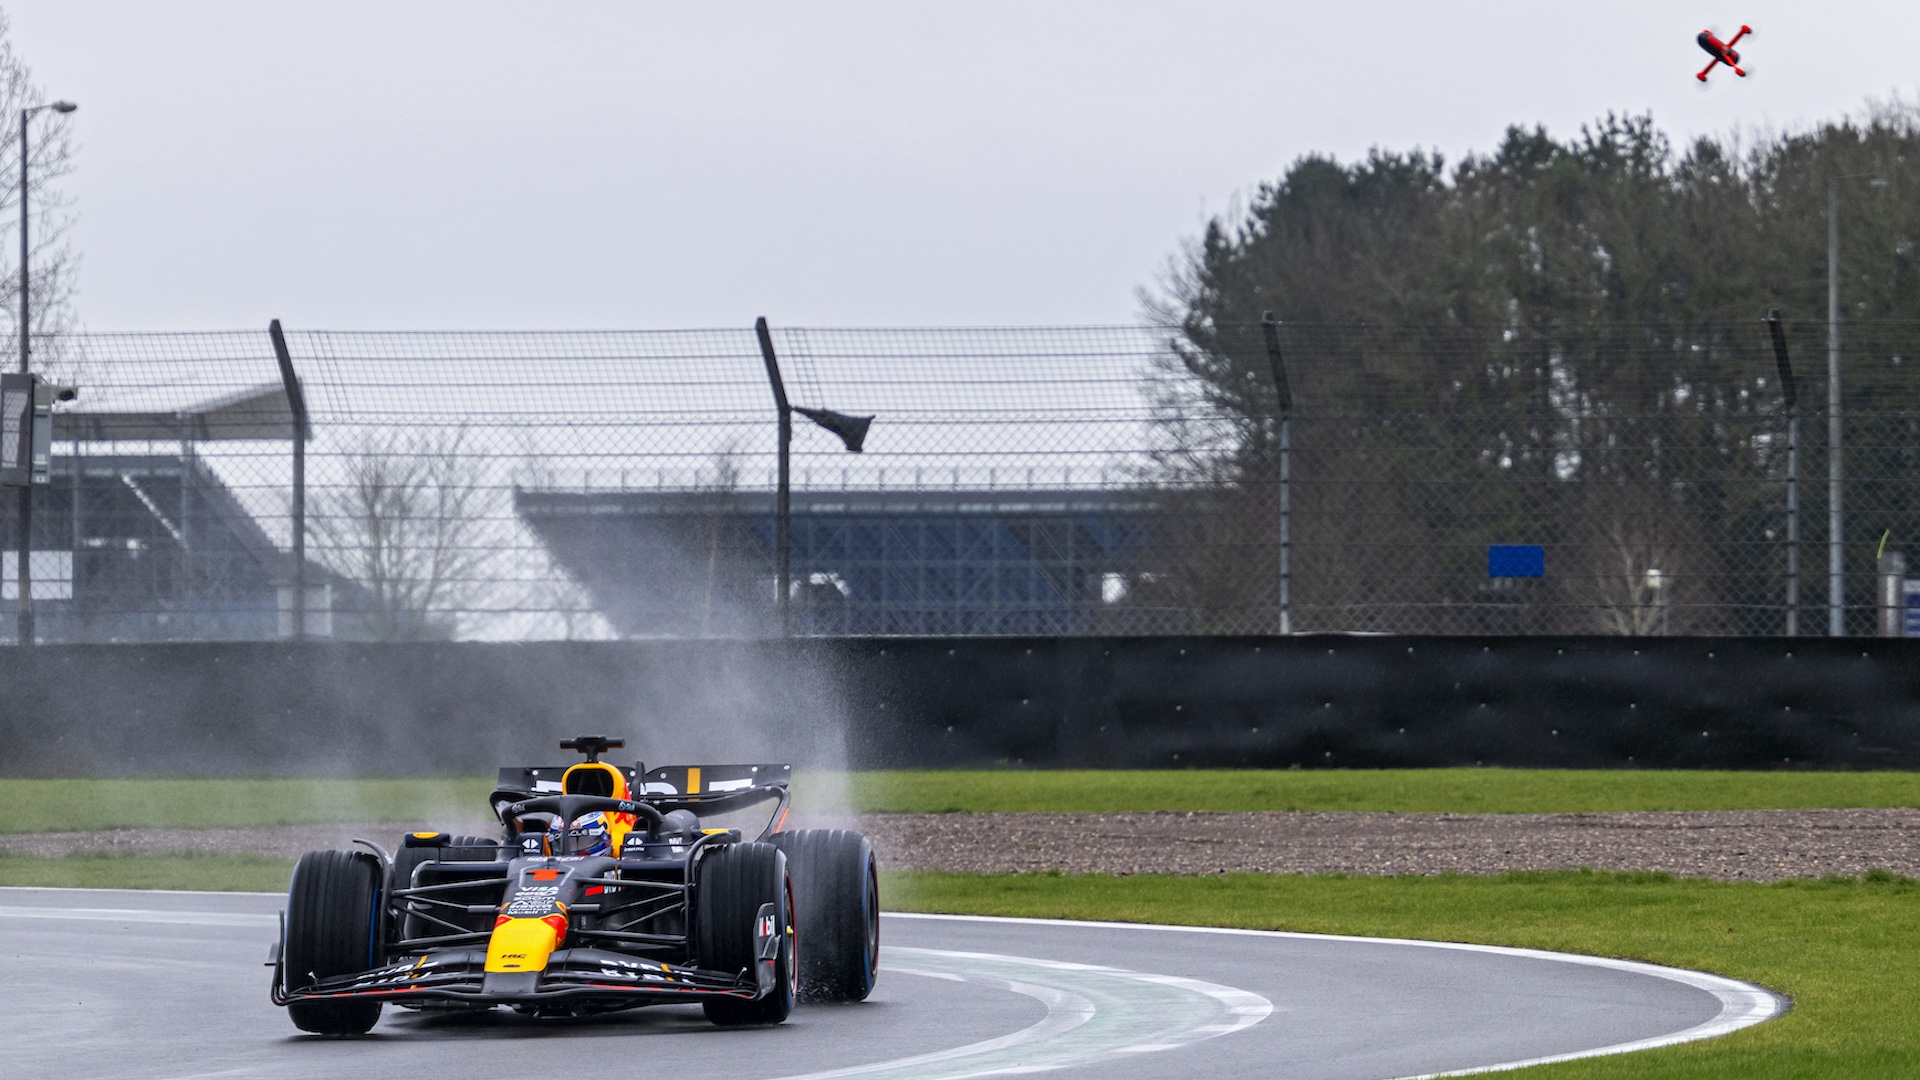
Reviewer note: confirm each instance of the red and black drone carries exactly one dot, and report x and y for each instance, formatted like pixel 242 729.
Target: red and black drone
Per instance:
pixel 1721 51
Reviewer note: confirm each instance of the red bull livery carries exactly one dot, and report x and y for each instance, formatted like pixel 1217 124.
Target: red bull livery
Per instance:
pixel 607 888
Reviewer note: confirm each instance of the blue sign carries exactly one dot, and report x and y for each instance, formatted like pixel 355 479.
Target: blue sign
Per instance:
pixel 1516 560
pixel 1911 622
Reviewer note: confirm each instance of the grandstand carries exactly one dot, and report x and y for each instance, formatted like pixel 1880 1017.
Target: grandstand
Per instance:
pixel 682 563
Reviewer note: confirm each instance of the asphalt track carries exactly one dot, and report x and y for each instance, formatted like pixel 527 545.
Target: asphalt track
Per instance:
pixel 172 985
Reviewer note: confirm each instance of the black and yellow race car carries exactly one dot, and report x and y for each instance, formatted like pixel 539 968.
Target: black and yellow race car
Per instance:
pixel 608 888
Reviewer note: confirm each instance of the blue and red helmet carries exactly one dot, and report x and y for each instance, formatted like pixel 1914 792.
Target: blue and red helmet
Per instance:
pixel 585 835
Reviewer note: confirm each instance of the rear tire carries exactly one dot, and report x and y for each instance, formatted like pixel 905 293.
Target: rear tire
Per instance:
pixel 405 859
pixel 836 892
pixel 332 911
pixel 473 849
pixel 733 883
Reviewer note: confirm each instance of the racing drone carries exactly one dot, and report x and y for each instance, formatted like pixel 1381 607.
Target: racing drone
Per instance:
pixel 1721 51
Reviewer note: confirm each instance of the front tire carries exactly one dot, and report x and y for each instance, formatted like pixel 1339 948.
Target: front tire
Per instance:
pixel 836 887
pixel 734 883
pixel 332 907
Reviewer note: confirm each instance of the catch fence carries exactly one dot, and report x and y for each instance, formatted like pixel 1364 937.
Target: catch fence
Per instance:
pixel 1053 481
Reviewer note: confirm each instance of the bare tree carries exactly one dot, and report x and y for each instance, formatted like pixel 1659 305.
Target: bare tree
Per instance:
pixel 547 601
pixel 406 521
pixel 550 596
pixel 50 154
pixel 569 603
pixel 1201 565
pixel 1641 565
pixel 722 524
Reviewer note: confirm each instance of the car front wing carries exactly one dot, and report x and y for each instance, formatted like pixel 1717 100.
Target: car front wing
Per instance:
pixel 580 975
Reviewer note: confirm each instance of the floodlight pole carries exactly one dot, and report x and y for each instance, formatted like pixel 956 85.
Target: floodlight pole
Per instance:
pixel 297 405
pixel 1283 396
pixel 852 432
pixel 1790 395
pixel 783 497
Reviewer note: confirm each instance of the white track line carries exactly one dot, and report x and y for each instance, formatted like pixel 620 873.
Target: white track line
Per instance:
pixel 162 892
pixel 1065 1012
pixel 1742 1004
pixel 143 915
pixel 1094 1013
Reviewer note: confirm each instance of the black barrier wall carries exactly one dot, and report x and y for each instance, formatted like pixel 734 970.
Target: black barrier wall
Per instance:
pixel 408 709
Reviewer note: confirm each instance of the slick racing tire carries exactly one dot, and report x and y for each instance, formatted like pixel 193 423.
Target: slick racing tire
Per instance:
pixel 331 910
pixel 458 849
pixel 472 849
pixel 406 859
pixel 733 883
pixel 836 896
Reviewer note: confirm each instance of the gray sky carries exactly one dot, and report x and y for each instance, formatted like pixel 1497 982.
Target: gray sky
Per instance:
pixel 508 165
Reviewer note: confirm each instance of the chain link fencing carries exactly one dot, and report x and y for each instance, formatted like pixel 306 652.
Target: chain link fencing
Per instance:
pixel 1015 481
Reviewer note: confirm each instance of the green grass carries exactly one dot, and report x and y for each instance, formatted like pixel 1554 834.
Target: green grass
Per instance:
pixel 100 870
pixel 70 805
pixel 75 805
pixel 1457 791
pixel 1843 949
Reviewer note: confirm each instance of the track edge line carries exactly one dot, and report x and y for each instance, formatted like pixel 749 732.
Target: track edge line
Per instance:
pixel 1742 1004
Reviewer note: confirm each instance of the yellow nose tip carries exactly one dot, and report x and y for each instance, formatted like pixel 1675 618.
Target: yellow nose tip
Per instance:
pixel 523 944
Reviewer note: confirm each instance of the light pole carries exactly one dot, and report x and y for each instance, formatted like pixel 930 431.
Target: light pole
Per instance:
pixel 852 431
pixel 297 405
pixel 1283 396
pixel 26 491
pixel 1789 395
pixel 1836 471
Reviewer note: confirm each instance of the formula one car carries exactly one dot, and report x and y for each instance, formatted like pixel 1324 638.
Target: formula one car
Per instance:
pixel 608 888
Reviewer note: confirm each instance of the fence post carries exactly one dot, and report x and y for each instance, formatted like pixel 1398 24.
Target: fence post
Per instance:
pixel 783 505
pixel 297 405
pixel 1283 396
pixel 1791 396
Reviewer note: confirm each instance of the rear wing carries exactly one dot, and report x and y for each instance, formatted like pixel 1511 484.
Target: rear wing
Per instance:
pixel 670 780
pixel 703 789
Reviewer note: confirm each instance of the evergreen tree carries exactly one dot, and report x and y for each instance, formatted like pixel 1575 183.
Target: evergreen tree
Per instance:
pixel 1557 342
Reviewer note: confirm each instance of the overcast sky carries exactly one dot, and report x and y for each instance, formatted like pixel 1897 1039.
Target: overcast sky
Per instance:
pixel 508 165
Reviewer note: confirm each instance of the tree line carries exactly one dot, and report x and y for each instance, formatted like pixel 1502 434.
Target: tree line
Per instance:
pixel 1558 342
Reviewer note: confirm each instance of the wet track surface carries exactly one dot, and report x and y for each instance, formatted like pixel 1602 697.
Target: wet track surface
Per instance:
pixel 172 985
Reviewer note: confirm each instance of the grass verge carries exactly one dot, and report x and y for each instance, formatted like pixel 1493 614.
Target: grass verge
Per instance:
pixel 73 805
pixel 1842 948
pixel 78 805
pixel 100 870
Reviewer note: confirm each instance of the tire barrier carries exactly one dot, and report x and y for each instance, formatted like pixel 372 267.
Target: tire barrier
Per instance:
pixel 1314 701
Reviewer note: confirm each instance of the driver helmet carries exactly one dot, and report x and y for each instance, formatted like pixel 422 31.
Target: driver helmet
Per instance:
pixel 585 835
